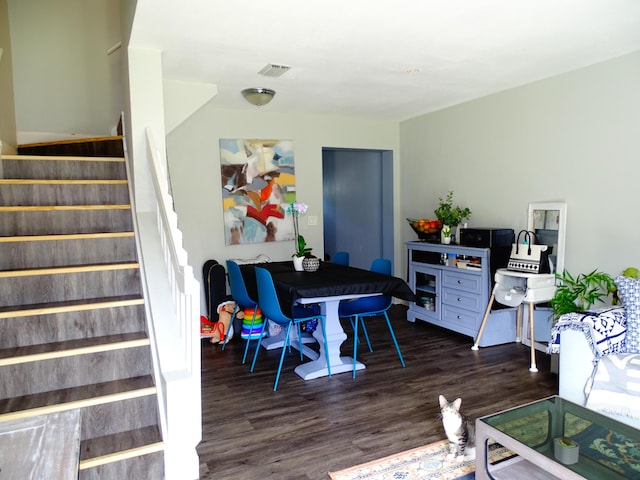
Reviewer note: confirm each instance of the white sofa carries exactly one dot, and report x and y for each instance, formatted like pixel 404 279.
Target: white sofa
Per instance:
pixel 580 339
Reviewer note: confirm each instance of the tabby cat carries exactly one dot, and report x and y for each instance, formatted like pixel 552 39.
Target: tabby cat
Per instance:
pixel 460 430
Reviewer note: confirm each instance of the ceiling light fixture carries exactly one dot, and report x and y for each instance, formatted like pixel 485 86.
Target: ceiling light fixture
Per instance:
pixel 258 96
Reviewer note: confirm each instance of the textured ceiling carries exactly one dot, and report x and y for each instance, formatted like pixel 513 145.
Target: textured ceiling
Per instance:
pixel 393 59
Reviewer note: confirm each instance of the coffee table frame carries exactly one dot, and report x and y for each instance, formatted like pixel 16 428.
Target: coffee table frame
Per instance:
pixel 543 464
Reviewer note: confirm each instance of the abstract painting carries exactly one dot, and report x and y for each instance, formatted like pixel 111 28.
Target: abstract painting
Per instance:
pixel 258 184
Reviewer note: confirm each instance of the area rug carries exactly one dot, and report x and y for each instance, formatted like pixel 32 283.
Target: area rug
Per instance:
pixel 611 449
pixel 423 463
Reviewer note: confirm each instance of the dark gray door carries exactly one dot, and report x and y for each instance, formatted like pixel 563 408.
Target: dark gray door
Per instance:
pixel 358 203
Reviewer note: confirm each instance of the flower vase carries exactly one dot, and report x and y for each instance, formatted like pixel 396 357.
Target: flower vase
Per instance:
pixel 446 239
pixel 297 264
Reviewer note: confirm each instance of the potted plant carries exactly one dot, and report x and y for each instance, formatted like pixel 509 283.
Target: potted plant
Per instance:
pixel 446 234
pixel 296 209
pixel 566 450
pixel 576 294
pixel 450 215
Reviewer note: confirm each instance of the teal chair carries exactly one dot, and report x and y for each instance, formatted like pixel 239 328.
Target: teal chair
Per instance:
pixel 359 309
pixel 243 300
pixel 341 258
pixel 270 306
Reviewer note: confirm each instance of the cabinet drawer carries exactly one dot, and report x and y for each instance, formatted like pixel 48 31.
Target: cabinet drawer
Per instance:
pixel 462 281
pixel 460 317
pixel 462 299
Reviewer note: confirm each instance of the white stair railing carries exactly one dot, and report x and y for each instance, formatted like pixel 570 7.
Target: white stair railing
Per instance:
pixel 173 309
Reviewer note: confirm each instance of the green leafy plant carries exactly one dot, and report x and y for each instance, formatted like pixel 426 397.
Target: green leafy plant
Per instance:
pixel 576 294
pixel 566 442
pixel 449 214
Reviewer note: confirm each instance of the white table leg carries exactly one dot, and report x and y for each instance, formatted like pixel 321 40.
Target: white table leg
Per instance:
pixel 277 341
pixel 335 338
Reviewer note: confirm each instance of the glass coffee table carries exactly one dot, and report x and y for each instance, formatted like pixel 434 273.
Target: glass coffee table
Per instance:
pixel 608 449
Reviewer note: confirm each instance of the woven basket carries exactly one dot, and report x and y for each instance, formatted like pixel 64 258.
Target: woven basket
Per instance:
pixel 310 264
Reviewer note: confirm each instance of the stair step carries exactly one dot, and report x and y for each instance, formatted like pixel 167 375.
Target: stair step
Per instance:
pixel 24 330
pixel 53 167
pixel 52 208
pixel 120 446
pixel 61 369
pixel 44 251
pixel 85 346
pixel 17 192
pixel 62 158
pixel 69 306
pixel 100 146
pixel 32 181
pixel 68 269
pixel 64 219
pixel 60 286
pixel 65 236
pixel 77 397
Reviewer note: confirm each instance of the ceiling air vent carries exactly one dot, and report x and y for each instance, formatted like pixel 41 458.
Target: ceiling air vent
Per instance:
pixel 272 70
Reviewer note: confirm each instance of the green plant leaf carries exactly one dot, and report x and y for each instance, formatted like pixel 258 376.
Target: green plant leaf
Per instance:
pixel 581 292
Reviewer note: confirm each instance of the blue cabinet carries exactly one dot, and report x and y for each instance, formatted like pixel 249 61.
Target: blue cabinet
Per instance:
pixel 452 284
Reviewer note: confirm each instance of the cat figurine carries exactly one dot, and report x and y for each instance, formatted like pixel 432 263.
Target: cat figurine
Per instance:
pixel 460 430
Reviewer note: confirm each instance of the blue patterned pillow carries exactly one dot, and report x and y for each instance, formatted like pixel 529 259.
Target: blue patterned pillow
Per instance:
pixel 629 290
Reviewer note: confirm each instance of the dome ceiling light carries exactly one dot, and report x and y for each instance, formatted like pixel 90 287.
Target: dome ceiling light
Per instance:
pixel 258 96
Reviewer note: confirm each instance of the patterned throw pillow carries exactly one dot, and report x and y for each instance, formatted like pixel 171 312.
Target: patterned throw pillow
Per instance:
pixel 629 290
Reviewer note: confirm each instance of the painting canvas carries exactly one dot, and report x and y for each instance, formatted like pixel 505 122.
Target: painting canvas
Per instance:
pixel 258 184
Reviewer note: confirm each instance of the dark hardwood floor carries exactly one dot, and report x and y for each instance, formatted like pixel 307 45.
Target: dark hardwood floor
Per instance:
pixel 307 429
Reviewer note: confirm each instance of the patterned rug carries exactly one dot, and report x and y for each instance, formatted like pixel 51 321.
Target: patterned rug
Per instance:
pixel 424 463
pixel 611 449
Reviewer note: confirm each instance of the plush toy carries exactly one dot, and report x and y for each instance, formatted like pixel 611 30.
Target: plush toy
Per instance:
pixel 224 326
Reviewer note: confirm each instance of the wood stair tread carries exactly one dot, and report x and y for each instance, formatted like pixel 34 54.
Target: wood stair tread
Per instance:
pixel 102 450
pixel 69 269
pixel 75 397
pixel 33 181
pixel 50 208
pixel 46 351
pixel 70 306
pixel 68 141
pixel 64 158
pixel 64 236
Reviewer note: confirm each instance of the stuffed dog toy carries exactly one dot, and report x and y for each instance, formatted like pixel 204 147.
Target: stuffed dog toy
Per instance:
pixel 224 326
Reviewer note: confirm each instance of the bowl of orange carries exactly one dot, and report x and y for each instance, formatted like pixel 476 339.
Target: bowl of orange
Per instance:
pixel 427 229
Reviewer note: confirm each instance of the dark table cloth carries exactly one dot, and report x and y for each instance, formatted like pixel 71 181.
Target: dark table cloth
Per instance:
pixel 329 280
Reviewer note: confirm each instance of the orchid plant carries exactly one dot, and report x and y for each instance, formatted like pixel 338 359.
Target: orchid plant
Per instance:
pixel 296 209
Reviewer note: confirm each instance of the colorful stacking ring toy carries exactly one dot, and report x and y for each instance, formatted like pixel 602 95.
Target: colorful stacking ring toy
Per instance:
pixel 248 331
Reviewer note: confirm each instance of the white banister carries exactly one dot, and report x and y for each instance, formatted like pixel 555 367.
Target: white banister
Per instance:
pixel 173 309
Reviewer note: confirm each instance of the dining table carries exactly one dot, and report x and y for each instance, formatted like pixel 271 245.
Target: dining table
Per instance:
pixel 326 287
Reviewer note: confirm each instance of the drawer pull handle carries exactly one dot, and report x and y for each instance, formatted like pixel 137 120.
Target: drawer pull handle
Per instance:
pixel 459 317
pixel 459 282
pixel 459 299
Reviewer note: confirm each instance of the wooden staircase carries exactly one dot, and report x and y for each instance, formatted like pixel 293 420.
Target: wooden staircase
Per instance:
pixel 72 315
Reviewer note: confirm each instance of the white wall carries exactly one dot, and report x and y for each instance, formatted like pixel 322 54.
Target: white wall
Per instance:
pixel 194 166
pixel 571 138
pixel 62 85
pixel 7 110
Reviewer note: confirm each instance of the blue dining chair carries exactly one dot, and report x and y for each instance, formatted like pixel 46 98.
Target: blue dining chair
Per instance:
pixel 270 306
pixel 359 309
pixel 341 258
pixel 243 300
